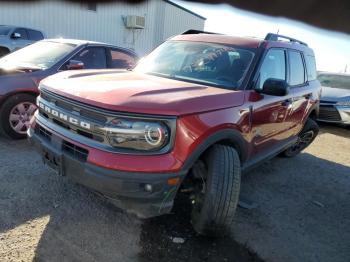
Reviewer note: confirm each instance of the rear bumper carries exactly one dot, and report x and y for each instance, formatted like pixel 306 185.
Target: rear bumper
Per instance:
pixel 127 190
pixel 334 114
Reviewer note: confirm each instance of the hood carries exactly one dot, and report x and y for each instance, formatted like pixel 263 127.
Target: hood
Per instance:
pixel 140 93
pixel 335 94
pixel 12 81
pixel 7 69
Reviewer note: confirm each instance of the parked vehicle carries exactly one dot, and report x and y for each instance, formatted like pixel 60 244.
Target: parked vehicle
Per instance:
pixel 192 115
pixel 13 38
pixel 21 72
pixel 335 100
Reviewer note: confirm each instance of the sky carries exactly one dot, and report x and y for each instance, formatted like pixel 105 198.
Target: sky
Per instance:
pixel 332 49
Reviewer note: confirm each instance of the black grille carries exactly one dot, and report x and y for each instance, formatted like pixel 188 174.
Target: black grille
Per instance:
pixel 96 119
pixel 43 132
pixel 75 151
pixel 329 113
pixel 70 107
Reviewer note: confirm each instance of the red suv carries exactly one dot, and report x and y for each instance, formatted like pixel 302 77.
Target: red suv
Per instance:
pixel 191 116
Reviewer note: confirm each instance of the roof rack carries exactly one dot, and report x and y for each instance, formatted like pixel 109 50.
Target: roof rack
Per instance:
pixel 194 31
pixel 275 37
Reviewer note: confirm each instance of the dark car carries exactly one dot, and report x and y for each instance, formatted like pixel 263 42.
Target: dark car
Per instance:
pixel 13 38
pixel 194 114
pixel 335 100
pixel 21 72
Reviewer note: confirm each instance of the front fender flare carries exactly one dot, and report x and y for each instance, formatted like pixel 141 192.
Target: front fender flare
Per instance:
pixel 233 136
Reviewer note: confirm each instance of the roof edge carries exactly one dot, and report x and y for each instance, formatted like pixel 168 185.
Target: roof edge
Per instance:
pixel 185 9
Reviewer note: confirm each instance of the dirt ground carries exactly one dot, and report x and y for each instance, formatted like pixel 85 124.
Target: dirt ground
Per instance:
pixel 301 212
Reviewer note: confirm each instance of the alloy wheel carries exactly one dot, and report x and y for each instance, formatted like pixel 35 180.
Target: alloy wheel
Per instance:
pixel 20 117
pixel 304 140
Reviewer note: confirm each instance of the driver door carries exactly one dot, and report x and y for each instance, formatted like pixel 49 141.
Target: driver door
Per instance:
pixel 22 41
pixel 269 125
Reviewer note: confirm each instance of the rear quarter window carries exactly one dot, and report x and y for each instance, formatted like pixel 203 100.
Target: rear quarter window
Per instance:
pixel 297 70
pixel 35 35
pixel 311 67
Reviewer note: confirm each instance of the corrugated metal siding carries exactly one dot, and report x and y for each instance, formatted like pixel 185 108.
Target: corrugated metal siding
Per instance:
pixel 69 20
pixel 178 21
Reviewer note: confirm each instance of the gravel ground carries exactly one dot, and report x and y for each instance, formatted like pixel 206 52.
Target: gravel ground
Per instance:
pixel 301 213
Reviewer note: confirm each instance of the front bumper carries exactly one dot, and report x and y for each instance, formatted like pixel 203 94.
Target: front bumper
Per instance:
pixel 334 114
pixel 127 190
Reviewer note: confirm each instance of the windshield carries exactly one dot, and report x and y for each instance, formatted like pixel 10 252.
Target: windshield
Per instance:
pixel 41 55
pixel 206 63
pixel 335 81
pixel 4 30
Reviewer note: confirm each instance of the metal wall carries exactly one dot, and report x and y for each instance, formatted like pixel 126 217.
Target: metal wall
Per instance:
pixel 69 20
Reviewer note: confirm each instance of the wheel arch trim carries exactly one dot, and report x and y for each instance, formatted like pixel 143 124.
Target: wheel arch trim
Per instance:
pixel 17 92
pixel 225 135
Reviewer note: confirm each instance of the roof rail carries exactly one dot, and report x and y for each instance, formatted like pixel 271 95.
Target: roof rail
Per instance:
pixel 194 31
pixel 275 37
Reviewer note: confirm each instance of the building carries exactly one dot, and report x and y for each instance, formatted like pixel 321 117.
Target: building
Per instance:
pixel 138 26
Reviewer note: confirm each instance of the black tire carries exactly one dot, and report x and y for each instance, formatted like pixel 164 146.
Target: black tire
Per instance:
pixel 311 128
pixel 4 52
pixel 214 215
pixel 5 126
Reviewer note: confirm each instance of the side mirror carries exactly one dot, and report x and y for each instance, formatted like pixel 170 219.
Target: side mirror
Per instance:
pixel 16 35
pixel 275 87
pixel 75 65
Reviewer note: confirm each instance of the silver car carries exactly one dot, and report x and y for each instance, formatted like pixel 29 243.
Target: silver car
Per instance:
pixel 335 100
pixel 13 38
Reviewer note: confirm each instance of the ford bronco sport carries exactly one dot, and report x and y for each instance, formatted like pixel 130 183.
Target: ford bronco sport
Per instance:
pixel 190 117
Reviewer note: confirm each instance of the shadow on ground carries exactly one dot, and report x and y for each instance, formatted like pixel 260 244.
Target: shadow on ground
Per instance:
pixel 157 244
pixel 334 129
pixel 302 214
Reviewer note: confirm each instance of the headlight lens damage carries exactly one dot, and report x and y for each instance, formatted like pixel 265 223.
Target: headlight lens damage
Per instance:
pixel 137 134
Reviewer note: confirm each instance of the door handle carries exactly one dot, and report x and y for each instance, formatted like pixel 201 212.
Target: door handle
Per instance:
pixel 308 96
pixel 287 103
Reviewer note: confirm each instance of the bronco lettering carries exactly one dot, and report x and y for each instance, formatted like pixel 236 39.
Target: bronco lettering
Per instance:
pixel 64 117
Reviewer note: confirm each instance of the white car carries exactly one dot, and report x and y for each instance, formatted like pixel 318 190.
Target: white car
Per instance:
pixel 335 100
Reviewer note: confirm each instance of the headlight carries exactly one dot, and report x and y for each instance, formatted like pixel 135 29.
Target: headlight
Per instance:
pixel 343 103
pixel 137 134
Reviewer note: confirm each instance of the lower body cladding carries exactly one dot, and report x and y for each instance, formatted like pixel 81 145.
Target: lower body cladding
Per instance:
pixel 144 194
pixel 334 114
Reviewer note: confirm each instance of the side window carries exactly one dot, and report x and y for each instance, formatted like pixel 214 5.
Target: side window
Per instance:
pixel 273 66
pixel 311 67
pixel 35 35
pixel 120 59
pixel 92 57
pixel 22 32
pixel 297 70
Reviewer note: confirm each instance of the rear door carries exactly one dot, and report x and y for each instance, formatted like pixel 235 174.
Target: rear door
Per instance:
pixel 300 91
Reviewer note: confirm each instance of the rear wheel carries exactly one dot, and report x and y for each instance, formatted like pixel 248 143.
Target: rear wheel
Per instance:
pixel 15 115
pixel 216 192
pixel 305 138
